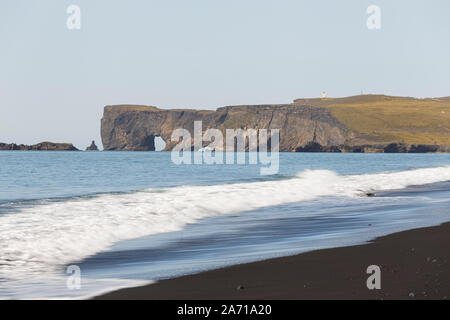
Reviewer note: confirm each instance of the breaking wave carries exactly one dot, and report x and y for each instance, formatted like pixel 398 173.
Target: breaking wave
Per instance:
pixel 40 239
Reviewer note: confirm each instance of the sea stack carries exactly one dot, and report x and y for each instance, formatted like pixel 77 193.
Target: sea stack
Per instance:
pixel 92 147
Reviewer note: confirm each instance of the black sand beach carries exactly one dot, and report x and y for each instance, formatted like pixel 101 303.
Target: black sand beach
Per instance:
pixel 414 265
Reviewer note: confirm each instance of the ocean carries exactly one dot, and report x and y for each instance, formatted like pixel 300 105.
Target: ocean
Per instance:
pixel 130 218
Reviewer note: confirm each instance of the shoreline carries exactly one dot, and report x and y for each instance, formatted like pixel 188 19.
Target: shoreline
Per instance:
pixel 415 264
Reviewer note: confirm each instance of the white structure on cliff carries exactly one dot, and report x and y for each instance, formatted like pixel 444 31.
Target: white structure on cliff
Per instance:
pixel 324 94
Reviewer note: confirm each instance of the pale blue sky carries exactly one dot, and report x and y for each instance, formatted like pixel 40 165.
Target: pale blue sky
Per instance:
pixel 205 54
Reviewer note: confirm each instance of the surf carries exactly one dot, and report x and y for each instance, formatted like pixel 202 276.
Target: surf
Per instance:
pixel 41 239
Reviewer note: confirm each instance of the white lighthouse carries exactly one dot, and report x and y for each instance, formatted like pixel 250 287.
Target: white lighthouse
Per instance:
pixel 324 94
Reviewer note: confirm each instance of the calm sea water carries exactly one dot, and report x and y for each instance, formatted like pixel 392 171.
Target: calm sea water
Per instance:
pixel 127 218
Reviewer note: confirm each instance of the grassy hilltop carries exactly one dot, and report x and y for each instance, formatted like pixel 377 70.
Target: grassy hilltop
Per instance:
pixel 387 118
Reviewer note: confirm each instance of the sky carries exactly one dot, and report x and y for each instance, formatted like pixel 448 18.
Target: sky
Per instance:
pixel 203 54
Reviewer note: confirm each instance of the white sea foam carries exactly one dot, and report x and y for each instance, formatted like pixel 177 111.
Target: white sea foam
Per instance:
pixel 39 240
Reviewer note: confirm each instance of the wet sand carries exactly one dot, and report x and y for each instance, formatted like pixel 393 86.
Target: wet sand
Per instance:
pixel 415 264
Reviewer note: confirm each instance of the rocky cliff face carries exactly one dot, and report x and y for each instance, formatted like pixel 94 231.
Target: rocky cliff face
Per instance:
pixel 303 128
pixel 135 127
pixel 43 146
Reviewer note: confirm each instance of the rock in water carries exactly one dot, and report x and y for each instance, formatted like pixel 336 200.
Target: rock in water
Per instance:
pixel 92 147
pixel 43 146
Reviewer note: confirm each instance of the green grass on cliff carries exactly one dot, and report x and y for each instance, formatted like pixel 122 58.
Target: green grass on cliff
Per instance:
pixel 410 120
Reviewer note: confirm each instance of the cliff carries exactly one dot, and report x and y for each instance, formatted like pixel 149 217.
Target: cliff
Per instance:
pixel 43 146
pixel 371 123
